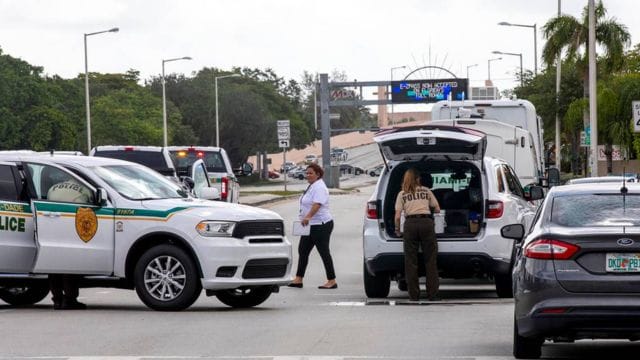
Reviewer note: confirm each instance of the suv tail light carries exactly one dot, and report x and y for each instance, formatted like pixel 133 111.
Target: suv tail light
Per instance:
pixel 128 148
pixel 224 188
pixel 550 249
pixel 372 210
pixel 494 209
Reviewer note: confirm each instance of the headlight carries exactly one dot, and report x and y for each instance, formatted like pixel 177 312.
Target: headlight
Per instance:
pixel 215 228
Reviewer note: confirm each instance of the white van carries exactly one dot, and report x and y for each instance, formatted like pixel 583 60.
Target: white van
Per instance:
pixel 508 142
pixel 519 113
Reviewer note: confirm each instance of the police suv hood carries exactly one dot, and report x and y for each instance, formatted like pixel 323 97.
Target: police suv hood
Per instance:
pixel 434 142
pixel 211 210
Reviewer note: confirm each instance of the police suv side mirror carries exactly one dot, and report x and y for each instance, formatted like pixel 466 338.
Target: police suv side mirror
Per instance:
pixel 188 182
pixel 535 193
pixel 101 197
pixel 513 231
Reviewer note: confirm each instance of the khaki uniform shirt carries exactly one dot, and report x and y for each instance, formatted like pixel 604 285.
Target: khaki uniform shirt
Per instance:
pixel 418 202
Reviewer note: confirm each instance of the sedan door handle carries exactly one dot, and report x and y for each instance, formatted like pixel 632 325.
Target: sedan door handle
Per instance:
pixel 51 213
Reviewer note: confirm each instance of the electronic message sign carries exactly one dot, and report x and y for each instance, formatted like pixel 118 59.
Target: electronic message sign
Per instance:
pixel 428 91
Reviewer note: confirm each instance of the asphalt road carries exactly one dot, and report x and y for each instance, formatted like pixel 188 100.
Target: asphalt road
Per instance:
pixel 295 324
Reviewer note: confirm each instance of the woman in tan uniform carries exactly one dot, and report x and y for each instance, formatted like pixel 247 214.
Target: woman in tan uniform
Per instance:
pixel 418 202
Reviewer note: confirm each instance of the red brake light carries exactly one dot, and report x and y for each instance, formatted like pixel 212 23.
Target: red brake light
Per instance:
pixel 224 186
pixel 550 249
pixel 128 148
pixel 494 209
pixel 372 210
pixel 200 154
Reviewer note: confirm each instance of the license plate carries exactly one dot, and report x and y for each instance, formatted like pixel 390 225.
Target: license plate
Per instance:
pixel 426 140
pixel 623 262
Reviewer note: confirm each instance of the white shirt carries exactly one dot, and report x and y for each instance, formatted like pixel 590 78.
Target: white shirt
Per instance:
pixel 317 193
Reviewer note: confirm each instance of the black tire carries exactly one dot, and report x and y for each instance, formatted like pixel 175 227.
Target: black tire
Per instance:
pixel 173 291
pixel 300 177
pixel 24 295
pixel 244 298
pixel 526 348
pixel 376 286
pixel 402 285
pixel 504 285
pixel 372 173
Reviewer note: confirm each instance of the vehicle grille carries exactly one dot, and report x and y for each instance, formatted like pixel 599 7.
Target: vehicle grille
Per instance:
pixel 265 268
pixel 258 228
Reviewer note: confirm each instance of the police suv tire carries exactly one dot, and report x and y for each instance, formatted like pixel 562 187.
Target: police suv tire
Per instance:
pixel 24 295
pixel 504 285
pixel 184 272
pixel 526 348
pixel 244 298
pixel 376 286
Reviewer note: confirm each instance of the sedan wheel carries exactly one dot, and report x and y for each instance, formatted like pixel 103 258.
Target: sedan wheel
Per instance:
pixel 166 278
pixel 526 348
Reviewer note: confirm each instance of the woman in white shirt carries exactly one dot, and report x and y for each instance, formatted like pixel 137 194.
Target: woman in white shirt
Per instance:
pixel 314 212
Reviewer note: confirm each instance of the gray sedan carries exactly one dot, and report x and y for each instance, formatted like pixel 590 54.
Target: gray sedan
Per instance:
pixel 577 272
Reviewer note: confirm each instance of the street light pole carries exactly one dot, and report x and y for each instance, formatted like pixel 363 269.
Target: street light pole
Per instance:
pixel 470 66
pixel 164 100
pixel 217 118
pixel 535 41
pixel 513 54
pixel 391 87
pixel 86 84
pixel 489 67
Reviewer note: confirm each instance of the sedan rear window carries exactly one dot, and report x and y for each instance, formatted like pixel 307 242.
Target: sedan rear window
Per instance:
pixel 587 210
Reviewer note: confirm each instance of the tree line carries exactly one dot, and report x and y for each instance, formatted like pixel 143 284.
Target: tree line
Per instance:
pixel 41 112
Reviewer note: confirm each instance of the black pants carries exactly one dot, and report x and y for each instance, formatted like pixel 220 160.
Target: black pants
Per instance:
pixel 64 287
pixel 420 232
pixel 319 236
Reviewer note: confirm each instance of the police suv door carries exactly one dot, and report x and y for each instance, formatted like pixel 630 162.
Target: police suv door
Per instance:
pixel 17 247
pixel 73 234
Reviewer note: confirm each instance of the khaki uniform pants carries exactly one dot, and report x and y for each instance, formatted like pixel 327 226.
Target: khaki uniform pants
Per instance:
pixel 420 232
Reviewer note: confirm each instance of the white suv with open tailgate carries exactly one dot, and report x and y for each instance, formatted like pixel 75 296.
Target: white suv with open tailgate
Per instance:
pixel 478 195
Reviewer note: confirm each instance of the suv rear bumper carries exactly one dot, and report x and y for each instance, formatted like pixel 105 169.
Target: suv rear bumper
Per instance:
pixel 450 265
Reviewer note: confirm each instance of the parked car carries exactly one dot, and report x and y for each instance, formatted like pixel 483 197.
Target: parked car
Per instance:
pixel 288 165
pixel 339 154
pixel 603 179
pixel 218 166
pixel 154 157
pixel 376 171
pixel 273 175
pixel 350 169
pixel 132 229
pixel 310 159
pixel 477 194
pixel 297 173
pixel 577 271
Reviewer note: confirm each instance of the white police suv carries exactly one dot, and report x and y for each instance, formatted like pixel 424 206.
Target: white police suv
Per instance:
pixel 122 225
pixel 477 194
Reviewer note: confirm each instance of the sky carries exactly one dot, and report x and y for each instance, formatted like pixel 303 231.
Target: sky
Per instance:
pixel 363 38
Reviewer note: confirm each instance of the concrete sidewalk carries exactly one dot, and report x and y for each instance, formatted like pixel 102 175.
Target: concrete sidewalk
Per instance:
pixel 254 199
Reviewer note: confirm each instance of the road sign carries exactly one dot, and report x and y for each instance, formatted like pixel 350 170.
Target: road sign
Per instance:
pixel 283 123
pixel 283 133
pixel 283 143
pixel 635 109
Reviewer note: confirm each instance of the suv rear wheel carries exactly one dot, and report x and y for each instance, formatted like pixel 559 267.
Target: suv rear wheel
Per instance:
pixel 166 278
pixel 24 295
pixel 244 298
pixel 376 286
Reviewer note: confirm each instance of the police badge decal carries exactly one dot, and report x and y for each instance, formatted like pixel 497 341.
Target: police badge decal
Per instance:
pixel 86 224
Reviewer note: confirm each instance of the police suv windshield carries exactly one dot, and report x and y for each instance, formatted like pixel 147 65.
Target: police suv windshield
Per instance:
pixel 139 183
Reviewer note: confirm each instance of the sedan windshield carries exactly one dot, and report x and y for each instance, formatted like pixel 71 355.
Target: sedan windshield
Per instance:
pixel 596 210
pixel 139 183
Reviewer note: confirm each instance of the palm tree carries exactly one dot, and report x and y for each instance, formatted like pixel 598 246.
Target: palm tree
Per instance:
pixel 567 33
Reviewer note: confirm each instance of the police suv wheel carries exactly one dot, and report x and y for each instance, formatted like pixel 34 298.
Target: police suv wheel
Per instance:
pixel 166 279
pixel 377 286
pixel 244 298
pixel 24 295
